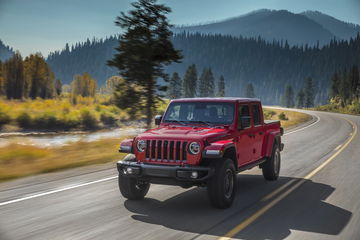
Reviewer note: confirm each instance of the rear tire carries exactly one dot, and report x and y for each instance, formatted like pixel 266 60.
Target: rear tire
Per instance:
pixel 271 168
pixel 222 186
pixel 129 187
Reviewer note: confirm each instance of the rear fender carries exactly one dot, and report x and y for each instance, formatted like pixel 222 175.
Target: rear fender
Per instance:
pixel 270 140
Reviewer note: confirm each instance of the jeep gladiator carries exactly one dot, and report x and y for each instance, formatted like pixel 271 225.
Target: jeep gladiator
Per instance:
pixel 202 142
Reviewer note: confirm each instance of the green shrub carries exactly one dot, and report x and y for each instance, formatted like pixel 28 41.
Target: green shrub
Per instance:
pixel 70 121
pixel 283 117
pixel 24 120
pixel 107 118
pixel 46 121
pixel 4 118
pixel 88 119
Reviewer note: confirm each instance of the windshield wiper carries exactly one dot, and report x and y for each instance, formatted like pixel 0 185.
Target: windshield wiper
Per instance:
pixel 176 121
pixel 204 122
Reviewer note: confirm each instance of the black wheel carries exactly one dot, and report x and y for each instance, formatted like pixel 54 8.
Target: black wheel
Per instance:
pixel 271 168
pixel 129 187
pixel 222 186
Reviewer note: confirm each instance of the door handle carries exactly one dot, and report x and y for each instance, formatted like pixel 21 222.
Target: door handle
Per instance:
pixel 251 135
pixel 261 133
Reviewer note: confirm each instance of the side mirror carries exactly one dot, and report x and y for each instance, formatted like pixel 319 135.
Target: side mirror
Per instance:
pixel 244 122
pixel 158 119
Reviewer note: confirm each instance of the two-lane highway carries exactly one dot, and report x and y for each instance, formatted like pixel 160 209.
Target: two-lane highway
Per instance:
pixel 317 197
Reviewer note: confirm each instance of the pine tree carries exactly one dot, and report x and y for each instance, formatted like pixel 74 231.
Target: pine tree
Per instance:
pixel 354 82
pixel 2 80
pixel 144 49
pixel 174 88
pixel 190 82
pixel 211 83
pixel 39 79
pixel 289 97
pixel 344 88
pixel 300 99
pixel 206 83
pixel 58 87
pixel 249 91
pixel 335 84
pixel 221 87
pixel 309 94
pixel 14 77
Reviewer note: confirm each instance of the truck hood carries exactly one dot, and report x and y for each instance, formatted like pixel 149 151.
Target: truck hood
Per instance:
pixel 180 132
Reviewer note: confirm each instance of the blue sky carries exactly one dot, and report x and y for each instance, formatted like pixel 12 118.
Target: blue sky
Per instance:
pixel 46 25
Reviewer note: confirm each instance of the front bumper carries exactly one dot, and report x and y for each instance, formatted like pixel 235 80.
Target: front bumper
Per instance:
pixel 164 174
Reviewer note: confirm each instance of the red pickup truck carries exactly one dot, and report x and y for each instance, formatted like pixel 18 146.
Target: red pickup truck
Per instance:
pixel 202 142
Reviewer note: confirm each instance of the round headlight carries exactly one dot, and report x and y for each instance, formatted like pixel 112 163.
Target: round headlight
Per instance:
pixel 194 148
pixel 141 145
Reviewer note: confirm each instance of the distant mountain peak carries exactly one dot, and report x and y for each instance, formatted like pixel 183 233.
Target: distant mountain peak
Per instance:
pixel 309 27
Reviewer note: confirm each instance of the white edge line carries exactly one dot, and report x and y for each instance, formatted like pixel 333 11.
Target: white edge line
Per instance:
pixel 318 120
pixel 56 191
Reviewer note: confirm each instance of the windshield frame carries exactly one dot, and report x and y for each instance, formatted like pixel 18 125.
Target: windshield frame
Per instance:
pixel 208 124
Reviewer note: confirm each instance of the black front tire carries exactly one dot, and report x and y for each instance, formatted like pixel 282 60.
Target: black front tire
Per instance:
pixel 222 186
pixel 271 168
pixel 131 189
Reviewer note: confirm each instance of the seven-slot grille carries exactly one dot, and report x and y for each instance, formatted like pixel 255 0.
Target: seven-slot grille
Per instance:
pixel 166 150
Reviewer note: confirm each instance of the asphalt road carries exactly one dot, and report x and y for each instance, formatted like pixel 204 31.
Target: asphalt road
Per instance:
pixel 316 197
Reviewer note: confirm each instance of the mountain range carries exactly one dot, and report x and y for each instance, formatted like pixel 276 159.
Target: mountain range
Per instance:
pixel 310 27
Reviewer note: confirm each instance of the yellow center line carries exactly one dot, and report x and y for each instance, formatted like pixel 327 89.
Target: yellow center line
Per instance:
pixel 264 209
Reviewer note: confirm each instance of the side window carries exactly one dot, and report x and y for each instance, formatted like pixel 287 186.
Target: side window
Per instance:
pixel 243 117
pixel 256 114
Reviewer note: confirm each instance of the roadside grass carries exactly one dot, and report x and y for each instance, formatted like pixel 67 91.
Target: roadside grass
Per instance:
pixel 20 160
pixel 353 108
pixel 293 118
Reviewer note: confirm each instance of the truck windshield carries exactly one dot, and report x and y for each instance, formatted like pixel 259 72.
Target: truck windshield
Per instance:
pixel 210 113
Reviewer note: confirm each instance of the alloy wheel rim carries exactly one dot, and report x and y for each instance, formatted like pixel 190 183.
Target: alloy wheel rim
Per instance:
pixel 229 183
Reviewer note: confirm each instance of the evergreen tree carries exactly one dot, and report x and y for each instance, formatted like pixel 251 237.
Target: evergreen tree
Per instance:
pixel 2 80
pixel 39 79
pixel 190 82
pixel 14 77
pixel 354 82
pixel 125 95
pixel 335 84
pixel 289 97
pixel 344 88
pixel 144 49
pixel 174 88
pixel 211 83
pixel 221 87
pixel 300 99
pixel 206 83
pixel 83 85
pixel 58 87
pixel 309 93
pixel 249 91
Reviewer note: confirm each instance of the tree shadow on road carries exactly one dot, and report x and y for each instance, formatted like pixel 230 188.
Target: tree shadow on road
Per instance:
pixel 304 209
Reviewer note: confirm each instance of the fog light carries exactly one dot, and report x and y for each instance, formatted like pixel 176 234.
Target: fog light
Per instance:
pixel 129 170
pixel 194 174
